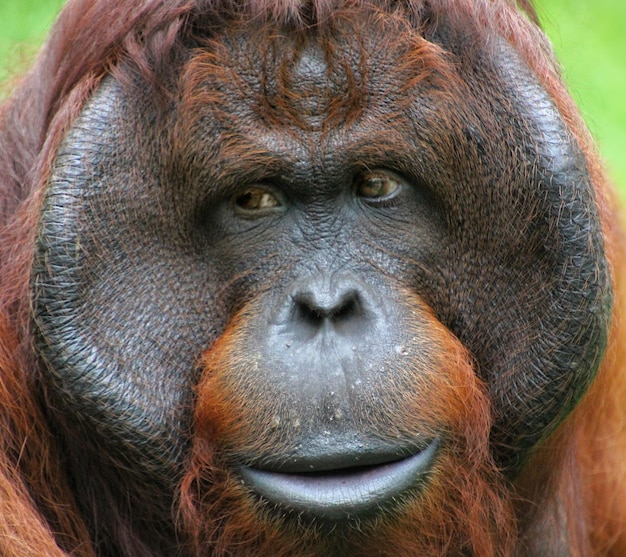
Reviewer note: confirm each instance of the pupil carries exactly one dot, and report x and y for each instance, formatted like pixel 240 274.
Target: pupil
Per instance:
pixel 375 187
pixel 248 200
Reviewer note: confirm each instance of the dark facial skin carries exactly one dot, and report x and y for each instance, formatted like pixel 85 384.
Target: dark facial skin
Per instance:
pixel 302 235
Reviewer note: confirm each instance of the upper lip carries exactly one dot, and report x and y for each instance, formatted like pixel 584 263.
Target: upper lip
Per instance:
pixel 318 455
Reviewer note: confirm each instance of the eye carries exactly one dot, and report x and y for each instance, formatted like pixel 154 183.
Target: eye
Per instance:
pixel 255 199
pixel 378 186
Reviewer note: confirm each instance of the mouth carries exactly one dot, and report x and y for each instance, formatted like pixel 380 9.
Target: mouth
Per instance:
pixel 339 493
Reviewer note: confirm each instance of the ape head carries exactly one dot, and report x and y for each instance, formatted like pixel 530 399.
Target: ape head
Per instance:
pixel 320 278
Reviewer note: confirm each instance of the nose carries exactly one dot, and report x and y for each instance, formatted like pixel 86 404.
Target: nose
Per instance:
pixel 338 304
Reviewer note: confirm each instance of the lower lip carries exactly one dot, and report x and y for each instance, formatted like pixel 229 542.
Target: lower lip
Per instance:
pixel 342 494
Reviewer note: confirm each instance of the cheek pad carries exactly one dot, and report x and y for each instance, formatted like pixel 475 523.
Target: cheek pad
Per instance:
pixel 121 311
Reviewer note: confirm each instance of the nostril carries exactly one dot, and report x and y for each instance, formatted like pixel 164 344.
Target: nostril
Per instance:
pixel 306 311
pixel 348 308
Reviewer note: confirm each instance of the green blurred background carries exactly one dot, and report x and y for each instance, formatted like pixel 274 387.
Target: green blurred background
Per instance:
pixel 589 38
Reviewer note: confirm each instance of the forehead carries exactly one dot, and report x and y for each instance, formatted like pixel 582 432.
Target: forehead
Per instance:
pixel 354 66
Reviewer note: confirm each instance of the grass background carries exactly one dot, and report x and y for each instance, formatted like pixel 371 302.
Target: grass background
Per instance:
pixel 589 38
